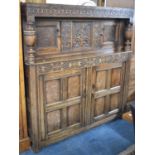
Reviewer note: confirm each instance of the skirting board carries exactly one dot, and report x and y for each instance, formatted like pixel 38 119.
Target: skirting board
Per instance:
pixel 24 144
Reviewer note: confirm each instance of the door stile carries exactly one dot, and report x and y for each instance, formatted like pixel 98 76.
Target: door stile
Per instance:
pixel 107 98
pixel 88 96
pixel 93 93
pixel 83 96
pixel 122 87
pixel 126 82
pixel 64 84
pixel 41 109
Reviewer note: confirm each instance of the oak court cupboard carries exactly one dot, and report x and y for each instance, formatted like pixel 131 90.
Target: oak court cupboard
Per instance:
pixel 76 68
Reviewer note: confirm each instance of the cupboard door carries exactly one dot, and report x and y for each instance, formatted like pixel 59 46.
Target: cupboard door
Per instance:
pixel 107 88
pixel 62 102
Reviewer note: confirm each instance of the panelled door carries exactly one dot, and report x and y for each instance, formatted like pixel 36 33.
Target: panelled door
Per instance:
pixel 107 88
pixel 61 102
pixel 71 99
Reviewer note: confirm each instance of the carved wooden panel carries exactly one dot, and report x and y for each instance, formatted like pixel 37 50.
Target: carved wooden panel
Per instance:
pixel 81 35
pixel 76 35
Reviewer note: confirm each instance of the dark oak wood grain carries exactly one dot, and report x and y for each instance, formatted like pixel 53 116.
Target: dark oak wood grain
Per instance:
pixel 76 61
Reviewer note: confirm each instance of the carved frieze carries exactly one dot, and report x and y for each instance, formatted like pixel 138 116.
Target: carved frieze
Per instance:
pixel 82 63
pixel 51 10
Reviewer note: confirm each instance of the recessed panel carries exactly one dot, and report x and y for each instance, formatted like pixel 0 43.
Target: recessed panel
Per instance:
pixel 99 106
pixel 109 31
pixel 116 77
pixel 73 86
pixel 98 36
pixel 46 36
pixel 52 91
pixel 73 114
pixel 101 80
pixel 66 35
pixel 53 120
pixel 114 98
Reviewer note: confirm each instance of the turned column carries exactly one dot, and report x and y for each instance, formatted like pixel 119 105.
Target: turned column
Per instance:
pixel 29 39
pixel 128 37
